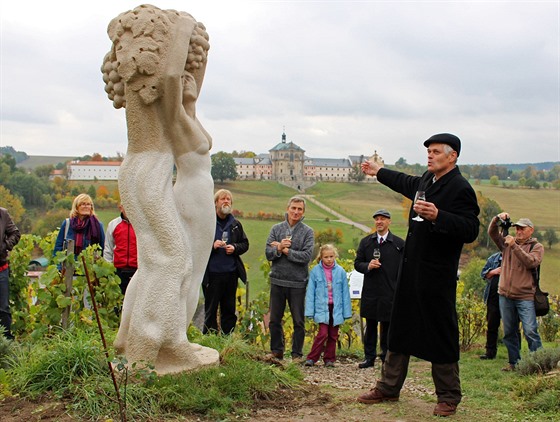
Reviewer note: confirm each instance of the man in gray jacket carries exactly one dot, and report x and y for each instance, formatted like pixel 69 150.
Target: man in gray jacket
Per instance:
pixel 289 248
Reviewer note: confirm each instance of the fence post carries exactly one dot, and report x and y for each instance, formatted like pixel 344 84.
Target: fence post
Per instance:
pixel 68 271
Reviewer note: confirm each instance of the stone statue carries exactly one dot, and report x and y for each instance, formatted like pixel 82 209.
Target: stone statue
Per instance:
pixel 155 70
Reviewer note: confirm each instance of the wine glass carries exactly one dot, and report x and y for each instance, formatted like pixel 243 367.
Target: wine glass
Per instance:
pixel 376 253
pixel 420 195
pixel 289 234
pixel 225 237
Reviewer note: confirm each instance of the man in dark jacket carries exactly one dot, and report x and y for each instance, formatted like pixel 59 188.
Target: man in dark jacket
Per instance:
pixel 380 281
pixel 224 268
pixel 9 237
pixel 491 274
pixel 424 318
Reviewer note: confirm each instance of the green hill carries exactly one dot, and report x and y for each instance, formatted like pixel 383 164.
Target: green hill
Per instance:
pixel 34 161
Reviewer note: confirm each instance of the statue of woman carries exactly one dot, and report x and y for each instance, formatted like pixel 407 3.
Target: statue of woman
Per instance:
pixel 155 70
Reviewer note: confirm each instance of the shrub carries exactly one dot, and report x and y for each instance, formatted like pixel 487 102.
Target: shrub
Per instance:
pixel 540 361
pixel 471 315
pixel 470 276
pixel 549 326
pixel 38 305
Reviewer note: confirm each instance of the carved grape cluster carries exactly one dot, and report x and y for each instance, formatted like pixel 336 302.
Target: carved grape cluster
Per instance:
pixel 141 33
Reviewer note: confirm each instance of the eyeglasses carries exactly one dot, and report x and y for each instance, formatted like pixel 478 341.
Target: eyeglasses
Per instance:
pixel 86 205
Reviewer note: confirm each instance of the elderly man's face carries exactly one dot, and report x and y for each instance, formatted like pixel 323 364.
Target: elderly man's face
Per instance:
pixel 223 205
pixel 295 212
pixel 439 162
pixel 523 233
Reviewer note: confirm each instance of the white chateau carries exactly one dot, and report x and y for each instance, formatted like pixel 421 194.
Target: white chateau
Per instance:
pixel 287 163
pixel 91 170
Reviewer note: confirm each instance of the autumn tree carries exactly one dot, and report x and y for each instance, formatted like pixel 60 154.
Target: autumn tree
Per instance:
pixel 12 204
pixel 102 192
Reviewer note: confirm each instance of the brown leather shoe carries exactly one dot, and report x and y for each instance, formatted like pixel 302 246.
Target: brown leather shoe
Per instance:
pixel 508 368
pixel 445 409
pixel 374 396
pixel 274 356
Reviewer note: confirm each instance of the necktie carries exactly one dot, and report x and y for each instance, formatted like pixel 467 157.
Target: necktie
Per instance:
pixel 380 241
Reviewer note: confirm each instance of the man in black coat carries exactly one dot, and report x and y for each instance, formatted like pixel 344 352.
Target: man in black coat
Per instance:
pixel 424 318
pixel 380 281
pixel 224 267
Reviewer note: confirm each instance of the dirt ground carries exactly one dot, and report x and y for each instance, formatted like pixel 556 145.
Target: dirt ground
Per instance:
pixel 329 394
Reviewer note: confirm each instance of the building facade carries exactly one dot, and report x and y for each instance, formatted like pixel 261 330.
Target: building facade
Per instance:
pixel 286 162
pixel 92 170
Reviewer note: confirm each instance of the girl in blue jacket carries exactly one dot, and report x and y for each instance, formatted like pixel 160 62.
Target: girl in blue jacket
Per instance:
pixel 327 301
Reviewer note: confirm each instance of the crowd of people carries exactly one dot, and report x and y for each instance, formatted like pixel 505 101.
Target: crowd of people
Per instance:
pixel 409 285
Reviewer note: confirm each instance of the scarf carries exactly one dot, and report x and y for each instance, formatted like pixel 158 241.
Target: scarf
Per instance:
pixel 328 276
pixel 86 232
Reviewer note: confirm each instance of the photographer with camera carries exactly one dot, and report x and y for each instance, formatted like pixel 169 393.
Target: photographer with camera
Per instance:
pixel 520 255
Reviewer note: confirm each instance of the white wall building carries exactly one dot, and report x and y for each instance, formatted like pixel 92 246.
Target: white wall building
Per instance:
pixel 92 170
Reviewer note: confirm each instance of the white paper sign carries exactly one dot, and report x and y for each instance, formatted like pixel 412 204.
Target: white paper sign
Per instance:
pixel 355 281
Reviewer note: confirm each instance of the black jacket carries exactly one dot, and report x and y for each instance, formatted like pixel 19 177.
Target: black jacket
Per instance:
pixel 379 284
pixel 9 235
pixel 241 243
pixel 424 318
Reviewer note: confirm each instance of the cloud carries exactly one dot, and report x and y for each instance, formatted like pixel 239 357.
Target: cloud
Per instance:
pixel 341 77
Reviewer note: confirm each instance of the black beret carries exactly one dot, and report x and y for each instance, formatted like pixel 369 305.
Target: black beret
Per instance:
pixel 445 138
pixel 382 212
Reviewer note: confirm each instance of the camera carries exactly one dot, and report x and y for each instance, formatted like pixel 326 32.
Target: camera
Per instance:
pixel 505 224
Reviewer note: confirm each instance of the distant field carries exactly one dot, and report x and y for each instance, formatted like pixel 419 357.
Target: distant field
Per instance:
pixel 40 160
pixel 541 205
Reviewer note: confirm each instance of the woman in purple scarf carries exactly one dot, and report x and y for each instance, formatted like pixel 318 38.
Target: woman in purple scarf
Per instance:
pixel 83 227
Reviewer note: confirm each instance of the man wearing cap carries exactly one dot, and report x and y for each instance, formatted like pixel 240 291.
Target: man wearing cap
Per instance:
pixel 424 318
pixel 520 256
pixel 380 281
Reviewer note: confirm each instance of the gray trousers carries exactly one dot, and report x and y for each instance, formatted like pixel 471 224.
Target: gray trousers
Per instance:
pixel 445 376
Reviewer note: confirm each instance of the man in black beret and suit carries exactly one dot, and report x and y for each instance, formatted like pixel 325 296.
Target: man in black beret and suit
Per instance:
pixel 424 318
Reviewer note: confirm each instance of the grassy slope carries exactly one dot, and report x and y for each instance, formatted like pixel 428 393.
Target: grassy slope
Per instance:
pixel 40 160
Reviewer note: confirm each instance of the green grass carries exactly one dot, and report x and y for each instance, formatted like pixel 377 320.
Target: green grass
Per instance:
pixel 542 206
pixel 358 201
pixel 506 395
pixel 73 366
pixel 106 215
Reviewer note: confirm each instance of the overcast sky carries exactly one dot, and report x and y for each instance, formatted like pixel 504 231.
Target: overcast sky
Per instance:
pixel 341 77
